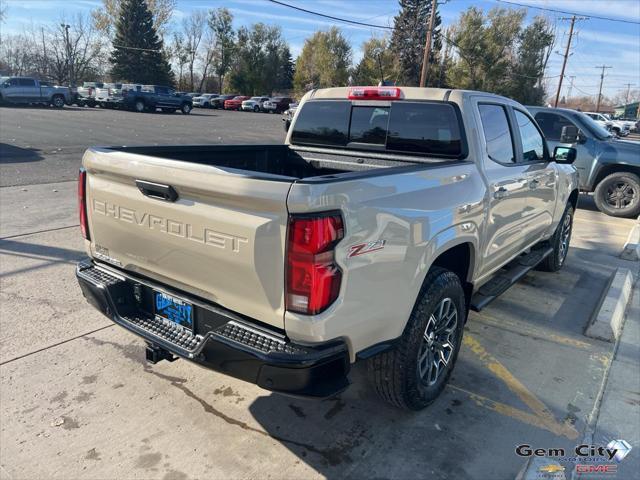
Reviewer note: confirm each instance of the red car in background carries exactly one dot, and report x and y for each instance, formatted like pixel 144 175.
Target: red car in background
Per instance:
pixel 235 103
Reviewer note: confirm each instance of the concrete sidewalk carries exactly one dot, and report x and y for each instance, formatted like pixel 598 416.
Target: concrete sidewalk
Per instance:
pixel 619 416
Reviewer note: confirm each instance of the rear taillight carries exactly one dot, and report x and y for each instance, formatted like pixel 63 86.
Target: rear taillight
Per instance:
pixel 374 93
pixel 313 277
pixel 82 203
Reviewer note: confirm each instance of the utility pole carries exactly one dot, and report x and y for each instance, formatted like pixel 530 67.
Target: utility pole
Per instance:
pixel 600 91
pixel 566 53
pixel 427 46
pixel 629 85
pixel 571 78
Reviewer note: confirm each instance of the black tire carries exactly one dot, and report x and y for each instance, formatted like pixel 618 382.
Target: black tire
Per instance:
pixel 559 242
pixel 256 108
pixel 615 131
pixel 139 106
pixel 618 195
pixel 185 108
pixel 206 105
pixel 397 374
pixel 57 101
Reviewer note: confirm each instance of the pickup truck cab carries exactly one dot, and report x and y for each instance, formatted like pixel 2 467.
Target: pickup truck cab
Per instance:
pixel 149 98
pixel 235 103
pixel 367 236
pixel 30 90
pixel 608 167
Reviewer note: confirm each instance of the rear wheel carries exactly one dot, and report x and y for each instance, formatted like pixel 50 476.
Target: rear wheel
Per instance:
pixel 618 195
pixel 57 101
pixel 414 373
pixel 256 108
pixel 185 109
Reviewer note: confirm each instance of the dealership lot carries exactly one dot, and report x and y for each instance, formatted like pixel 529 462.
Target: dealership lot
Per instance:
pixel 78 400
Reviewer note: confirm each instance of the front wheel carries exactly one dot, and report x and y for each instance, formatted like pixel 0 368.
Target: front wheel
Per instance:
pixel 414 373
pixel 139 106
pixel 185 109
pixel 618 195
pixel 560 243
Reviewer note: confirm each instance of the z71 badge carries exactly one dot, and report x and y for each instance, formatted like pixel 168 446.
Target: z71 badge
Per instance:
pixel 362 248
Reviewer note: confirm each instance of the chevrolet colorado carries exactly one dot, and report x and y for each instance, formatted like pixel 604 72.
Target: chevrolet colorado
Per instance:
pixel 385 216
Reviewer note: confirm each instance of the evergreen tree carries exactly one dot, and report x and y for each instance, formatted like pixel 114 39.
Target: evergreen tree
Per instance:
pixel 138 54
pixel 408 40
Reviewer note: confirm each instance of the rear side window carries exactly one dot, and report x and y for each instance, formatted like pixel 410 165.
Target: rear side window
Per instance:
pixel 428 128
pixel 27 82
pixel 497 134
pixel 551 124
pixel 322 123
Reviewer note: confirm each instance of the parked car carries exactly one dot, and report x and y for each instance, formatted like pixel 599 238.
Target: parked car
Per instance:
pixel 86 94
pixel 235 103
pixel 277 104
pixel 630 123
pixel 608 167
pixel 618 128
pixel 218 102
pixel 287 117
pixel 109 95
pixel 27 90
pixel 365 237
pixel 204 100
pixel 254 104
pixel 152 97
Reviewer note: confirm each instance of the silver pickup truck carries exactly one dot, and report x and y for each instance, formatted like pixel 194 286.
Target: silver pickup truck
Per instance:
pixel 28 90
pixel 387 214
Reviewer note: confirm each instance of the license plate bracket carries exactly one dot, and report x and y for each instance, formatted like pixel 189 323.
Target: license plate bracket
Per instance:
pixel 173 309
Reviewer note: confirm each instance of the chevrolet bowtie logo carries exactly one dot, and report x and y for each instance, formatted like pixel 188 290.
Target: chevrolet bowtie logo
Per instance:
pixel 553 468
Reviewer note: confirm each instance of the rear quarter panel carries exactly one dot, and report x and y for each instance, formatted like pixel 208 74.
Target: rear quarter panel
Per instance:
pixel 418 214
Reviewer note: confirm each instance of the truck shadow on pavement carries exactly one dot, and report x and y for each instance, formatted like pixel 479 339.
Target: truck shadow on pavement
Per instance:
pixel 13 154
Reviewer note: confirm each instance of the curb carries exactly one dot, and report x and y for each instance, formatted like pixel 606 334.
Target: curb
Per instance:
pixel 607 323
pixel 631 250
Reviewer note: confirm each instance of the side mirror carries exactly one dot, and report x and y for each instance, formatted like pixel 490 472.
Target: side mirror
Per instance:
pixel 564 154
pixel 569 134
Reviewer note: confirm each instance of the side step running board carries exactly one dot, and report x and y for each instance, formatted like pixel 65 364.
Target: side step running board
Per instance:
pixel 510 274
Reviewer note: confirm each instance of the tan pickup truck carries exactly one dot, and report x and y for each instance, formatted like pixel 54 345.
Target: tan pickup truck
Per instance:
pixel 387 214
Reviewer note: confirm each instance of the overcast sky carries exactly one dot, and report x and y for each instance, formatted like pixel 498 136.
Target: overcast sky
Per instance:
pixel 598 42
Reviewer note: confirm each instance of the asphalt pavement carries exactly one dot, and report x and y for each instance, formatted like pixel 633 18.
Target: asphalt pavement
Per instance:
pixel 77 399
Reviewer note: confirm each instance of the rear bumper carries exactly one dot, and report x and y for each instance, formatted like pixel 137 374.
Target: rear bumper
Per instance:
pixel 221 340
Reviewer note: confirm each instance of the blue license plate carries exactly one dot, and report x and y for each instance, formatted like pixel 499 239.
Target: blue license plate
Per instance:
pixel 174 309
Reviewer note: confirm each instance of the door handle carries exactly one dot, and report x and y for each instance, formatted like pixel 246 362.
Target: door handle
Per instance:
pixel 500 193
pixel 157 191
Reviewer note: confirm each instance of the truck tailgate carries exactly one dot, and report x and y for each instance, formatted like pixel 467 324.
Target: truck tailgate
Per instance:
pixel 222 239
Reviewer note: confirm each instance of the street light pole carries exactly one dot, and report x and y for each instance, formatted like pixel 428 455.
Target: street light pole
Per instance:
pixel 67 47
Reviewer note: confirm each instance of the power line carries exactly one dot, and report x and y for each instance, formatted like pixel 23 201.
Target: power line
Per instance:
pixel 601 81
pixel 567 13
pixel 566 54
pixel 311 12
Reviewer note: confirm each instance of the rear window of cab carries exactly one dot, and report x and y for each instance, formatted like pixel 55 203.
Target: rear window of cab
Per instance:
pixel 424 128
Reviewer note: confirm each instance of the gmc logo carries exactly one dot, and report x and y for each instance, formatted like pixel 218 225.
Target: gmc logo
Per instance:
pixel 612 468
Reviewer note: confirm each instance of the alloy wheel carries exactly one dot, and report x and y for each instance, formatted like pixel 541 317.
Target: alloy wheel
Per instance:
pixel 438 343
pixel 620 194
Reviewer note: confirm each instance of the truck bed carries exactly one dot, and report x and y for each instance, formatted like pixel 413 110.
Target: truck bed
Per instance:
pixel 277 159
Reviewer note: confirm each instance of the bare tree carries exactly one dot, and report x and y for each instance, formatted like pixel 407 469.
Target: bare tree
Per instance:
pixel 208 55
pixel 180 57
pixel 193 30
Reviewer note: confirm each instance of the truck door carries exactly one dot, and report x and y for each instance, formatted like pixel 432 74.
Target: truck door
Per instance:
pixel 540 173
pixel 507 187
pixel 12 91
pixel 30 90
